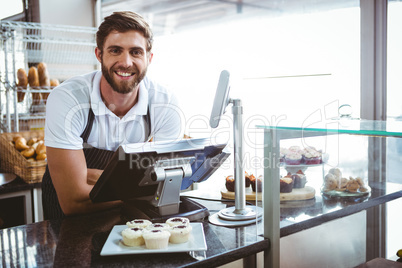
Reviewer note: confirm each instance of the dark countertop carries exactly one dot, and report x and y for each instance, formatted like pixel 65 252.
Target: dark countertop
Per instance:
pixel 16 185
pixel 78 241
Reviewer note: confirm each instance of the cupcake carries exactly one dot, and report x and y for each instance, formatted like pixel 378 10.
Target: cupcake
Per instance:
pixel 248 179
pixel 286 184
pixel 299 179
pixel 177 221
pixel 179 234
pixel 256 184
pixel 158 226
pixel 311 156
pixel 230 183
pixel 138 223
pixel 293 158
pixel 156 238
pixel 132 237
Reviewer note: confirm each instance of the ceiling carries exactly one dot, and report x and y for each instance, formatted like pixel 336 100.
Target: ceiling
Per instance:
pixel 168 16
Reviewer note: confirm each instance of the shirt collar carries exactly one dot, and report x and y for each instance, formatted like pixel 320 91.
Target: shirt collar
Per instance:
pixel 99 107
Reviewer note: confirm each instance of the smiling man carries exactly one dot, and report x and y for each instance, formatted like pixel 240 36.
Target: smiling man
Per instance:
pixel 88 117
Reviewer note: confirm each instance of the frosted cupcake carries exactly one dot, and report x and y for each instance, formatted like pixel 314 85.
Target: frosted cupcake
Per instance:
pixel 293 158
pixel 180 234
pixel 132 237
pixel 311 156
pixel 156 238
pixel 178 221
pixel 158 226
pixel 138 223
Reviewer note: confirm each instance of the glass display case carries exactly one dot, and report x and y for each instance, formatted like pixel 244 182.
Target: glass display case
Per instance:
pixel 356 176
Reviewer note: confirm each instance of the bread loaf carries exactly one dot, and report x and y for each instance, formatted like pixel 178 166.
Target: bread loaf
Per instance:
pixel 21 144
pixel 22 84
pixel 44 80
pixel 33 81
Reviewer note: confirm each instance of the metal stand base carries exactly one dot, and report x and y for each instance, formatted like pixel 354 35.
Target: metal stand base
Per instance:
pixel 217 219
pixel 233 214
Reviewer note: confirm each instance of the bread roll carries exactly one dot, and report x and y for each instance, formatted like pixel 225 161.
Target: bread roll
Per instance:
pixel 33 81
pixel 32 141
pixel 22 84
pixel 54 82
pixel 28 153
pixel 40 149
pixel 21 144
pixel 41 157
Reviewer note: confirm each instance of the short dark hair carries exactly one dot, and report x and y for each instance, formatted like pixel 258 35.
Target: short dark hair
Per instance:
pixel 123 21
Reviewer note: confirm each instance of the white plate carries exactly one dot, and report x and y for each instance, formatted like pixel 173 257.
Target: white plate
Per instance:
pixel 114 246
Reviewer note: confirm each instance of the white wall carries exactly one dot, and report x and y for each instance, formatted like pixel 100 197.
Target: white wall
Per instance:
pixel 71 12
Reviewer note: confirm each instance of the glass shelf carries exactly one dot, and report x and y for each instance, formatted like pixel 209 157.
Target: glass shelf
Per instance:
pixel 345 126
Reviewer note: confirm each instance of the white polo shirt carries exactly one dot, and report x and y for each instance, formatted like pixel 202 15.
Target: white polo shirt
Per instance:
pixel 68 106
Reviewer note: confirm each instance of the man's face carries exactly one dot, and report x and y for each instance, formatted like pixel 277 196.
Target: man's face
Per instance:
pixel 124 60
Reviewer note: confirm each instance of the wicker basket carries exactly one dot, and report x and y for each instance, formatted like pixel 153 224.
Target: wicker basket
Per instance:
pixel 12 160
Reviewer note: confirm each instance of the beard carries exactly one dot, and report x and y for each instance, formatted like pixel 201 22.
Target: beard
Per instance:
pixel 123 87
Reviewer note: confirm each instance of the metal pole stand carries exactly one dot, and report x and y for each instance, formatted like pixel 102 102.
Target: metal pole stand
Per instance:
pixel 240 214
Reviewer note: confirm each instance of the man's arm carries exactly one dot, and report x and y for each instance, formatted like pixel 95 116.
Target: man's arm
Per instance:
pixel 73 181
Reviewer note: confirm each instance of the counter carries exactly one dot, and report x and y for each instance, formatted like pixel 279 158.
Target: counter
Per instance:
pixel 77 241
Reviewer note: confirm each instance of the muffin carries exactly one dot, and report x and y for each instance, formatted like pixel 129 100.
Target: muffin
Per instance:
pixel 311 156
pixel 138 223
pixel 248 179
pixel 230 183
pixel 132 237
pixel 177 221
pixel 286 184
pixel 256 183
pixel 293 158
pixel 299 179
pixel 180 234
pixel 156 238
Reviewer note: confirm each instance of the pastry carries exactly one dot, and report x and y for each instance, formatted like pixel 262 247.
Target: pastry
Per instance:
pixel 230 183
pixel 256 184
pixel 132 237
pixel 352 185
pixel 330 182
pixel 311 156
pixel 286 184
pixel 156 238
pixel 28 153
pixel 54 82
pixel 40 148
pixel 177 221
pixel 248 179
pixel 158 226
pixel 22 84
pixel 33 81
pixel 21 144
pixel 179 234
pixel 41 156
pixel 299 179
pixel 138 223
pixel 44 80
pixel 293 158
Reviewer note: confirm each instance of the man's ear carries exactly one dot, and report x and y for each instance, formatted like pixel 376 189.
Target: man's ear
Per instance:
pixel 150 56
pixel 98 54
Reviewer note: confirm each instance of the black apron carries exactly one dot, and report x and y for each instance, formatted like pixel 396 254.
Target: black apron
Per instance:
pixel 95 158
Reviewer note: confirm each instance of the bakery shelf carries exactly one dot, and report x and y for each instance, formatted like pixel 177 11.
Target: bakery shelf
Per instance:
pixel 67 51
